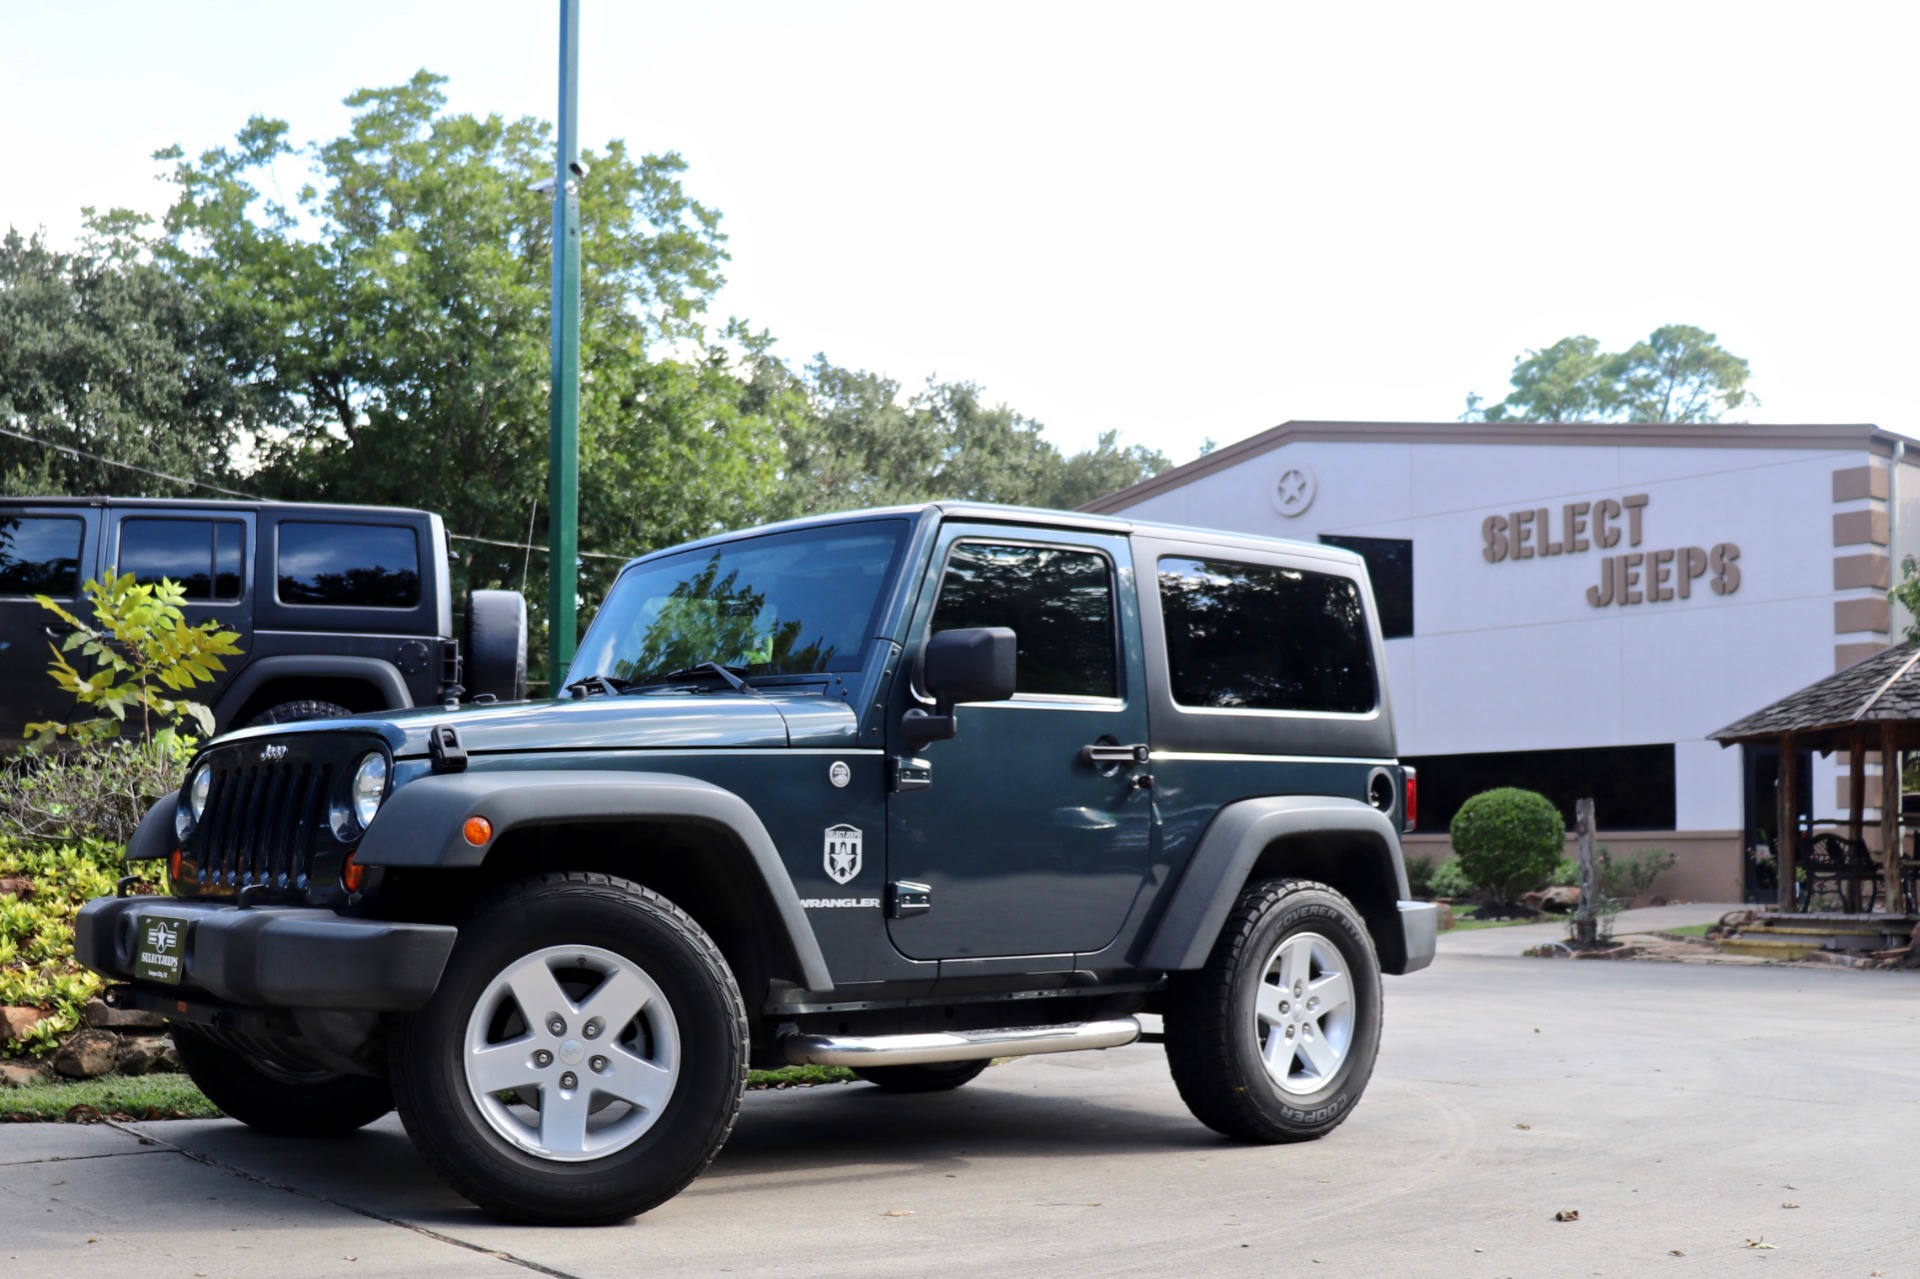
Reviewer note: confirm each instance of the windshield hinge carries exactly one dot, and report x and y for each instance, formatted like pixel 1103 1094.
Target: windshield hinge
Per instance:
pixel 449 756
pixel 904 773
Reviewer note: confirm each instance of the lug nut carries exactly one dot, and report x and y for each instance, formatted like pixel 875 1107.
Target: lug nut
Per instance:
pixel 1285 1007
pixel 569 1081
pixel 598 1065
pixel 1289 1032
pixel 543 1059
pixel 592 1029
pixel 556 1026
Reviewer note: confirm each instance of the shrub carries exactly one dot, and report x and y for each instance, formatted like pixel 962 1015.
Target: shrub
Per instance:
pixel 1565 875
pixel 1449 881
pixel 37 968
pixel 99 790
pixel 1628 876
pixel 1508 840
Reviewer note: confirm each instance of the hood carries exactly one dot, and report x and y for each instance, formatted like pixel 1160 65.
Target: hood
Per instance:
pixel 642 721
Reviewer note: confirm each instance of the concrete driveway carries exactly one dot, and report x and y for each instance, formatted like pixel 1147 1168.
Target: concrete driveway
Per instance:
pixel 1688 1114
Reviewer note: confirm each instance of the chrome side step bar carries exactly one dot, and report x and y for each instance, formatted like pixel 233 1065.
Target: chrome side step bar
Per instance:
pixel 960 1045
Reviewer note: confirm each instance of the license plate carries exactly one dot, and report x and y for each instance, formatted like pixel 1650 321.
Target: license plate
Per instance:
pixel 162 949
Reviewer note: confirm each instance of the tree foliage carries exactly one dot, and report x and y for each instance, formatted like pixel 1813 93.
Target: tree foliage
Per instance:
pixel 102 352
pixel 1678 374
pixel 366 319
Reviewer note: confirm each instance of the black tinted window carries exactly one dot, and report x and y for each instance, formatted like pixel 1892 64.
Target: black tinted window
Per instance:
pixel 1058 602
pixel 201 555
pixel 356 565
pixel 39 556
pixel 1257 637
pixel 1390 569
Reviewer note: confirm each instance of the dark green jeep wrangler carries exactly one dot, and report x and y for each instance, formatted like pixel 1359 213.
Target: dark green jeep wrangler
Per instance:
pixel 901 790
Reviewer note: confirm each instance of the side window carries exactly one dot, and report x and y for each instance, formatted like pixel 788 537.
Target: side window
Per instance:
pixel 1259 637
pixel 348 565
pixel 1058 602
pixel 1390 568
pixel 201 555
pixel 40 556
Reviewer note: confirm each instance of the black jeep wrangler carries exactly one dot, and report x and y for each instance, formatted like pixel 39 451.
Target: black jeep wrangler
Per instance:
pixel 340 608
pixel 901 790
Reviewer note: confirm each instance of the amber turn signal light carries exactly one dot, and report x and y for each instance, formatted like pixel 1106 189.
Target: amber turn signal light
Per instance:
pixel 174 859
pixel 352 874
pixel 478 831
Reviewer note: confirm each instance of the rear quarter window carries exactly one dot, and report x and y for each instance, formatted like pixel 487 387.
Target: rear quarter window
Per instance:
pixel 1267 638
pixel 348 565
pixel 40 555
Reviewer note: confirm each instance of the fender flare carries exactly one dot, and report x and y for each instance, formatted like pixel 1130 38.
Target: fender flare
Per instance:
pixel 379 672
pixel 422 824
pixel 153 838
pixel 1231 846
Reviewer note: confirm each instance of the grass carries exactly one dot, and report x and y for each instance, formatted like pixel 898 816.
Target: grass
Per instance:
pixel 1689 930
pixel 175 1097
pixel 162 1096
pixel 1463 922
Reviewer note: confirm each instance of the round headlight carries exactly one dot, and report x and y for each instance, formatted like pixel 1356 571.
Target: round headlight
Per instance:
pixel 197 790
pixel 369 788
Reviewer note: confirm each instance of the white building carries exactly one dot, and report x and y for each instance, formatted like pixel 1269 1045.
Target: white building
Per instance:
pixel 1573 608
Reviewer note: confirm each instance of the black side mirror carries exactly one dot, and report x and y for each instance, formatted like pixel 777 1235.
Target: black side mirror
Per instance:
pixel 975 665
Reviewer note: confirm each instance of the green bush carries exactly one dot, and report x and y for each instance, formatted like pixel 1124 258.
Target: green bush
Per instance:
pixel 1565 875
pixel 1449 880
pixel 1508 841
pixel 1631 874
pixel 96 790
pixel 37 968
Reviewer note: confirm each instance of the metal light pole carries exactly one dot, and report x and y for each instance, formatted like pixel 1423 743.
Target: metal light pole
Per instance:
pixel 563 464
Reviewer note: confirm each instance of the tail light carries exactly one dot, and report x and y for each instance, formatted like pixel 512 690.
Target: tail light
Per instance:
pixel 1410 811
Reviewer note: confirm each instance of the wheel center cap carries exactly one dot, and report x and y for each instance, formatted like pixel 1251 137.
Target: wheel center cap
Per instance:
pixel 572 1051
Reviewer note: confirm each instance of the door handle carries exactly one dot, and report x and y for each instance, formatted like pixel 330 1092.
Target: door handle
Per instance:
pixel 54 630
pixel 1101 755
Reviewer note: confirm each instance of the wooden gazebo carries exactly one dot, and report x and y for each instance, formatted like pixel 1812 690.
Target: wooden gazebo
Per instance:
pixel 1872 705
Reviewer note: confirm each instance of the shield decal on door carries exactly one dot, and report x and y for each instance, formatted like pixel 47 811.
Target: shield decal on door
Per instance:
pixel 843 853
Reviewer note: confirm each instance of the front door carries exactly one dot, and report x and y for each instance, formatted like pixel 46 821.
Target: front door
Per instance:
pixel 1027 848
pixel 43 551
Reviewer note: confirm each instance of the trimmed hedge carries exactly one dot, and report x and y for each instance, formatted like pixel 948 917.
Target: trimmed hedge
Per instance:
pixel 1509 841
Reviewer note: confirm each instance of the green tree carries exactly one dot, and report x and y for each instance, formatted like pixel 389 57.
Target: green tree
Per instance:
pixel 1678 374
pixel 104 353
pixel 398 306
pixel 861 444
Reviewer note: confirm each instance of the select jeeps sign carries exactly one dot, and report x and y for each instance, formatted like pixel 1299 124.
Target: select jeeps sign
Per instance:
pixel 1631 577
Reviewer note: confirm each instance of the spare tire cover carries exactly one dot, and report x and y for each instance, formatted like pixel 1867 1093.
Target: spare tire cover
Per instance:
pixel 496 656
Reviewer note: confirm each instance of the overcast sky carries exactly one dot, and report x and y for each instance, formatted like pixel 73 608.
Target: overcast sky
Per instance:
pixel 1180 221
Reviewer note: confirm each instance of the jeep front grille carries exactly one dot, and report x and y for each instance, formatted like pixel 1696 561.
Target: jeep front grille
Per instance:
pixel 266 820
pixel 260 824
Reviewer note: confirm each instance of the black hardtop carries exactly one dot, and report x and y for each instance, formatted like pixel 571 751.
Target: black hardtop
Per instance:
pixel 264 505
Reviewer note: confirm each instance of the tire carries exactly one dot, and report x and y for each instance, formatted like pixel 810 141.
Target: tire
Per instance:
pixel 1261 1061
pixel 287 1101
pixel 507 1110
pixel 496 649
pixel 931 1077
pixel 294 712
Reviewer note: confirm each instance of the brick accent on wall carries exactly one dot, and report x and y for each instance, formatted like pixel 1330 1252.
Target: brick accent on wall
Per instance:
pixel 1860 528
pixel 1862 563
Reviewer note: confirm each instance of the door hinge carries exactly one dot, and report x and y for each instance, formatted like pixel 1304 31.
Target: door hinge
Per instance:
pixel 904 773
pixel 906 898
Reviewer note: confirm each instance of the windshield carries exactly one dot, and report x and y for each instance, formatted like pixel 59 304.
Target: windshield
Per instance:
pixel 785 604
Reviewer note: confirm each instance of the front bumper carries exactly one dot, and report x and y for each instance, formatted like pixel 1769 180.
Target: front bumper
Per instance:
pixel 274 957
pixel 1420 925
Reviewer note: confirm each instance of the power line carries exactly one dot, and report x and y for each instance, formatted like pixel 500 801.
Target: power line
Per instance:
pixel 255 497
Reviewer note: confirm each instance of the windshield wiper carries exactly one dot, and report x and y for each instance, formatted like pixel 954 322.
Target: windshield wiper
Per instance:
pixel 607 685
pixel 730 674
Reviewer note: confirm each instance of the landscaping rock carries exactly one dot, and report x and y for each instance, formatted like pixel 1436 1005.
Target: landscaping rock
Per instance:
pixel 1558 900
pixel 16 1022
pixel 98 1013
pixel 1446 916
pixel 147 1055
pixel 87 1054
pixel 18 1074
pixel 21 888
